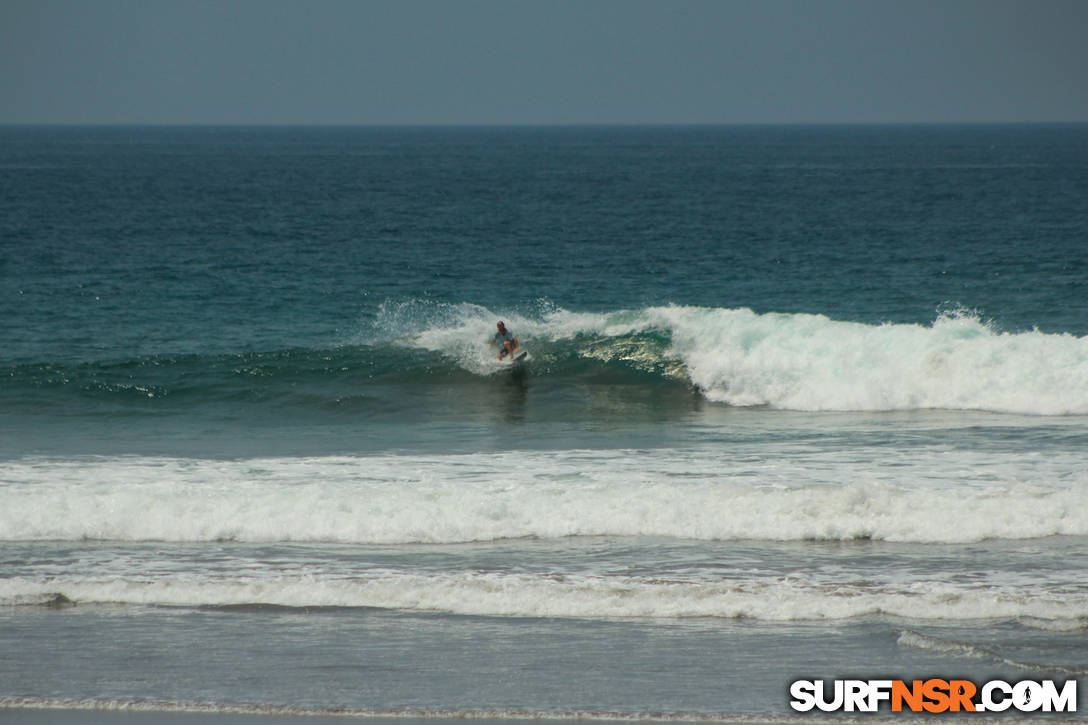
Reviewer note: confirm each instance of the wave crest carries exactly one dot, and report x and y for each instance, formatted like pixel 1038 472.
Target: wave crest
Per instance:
pixel 737 357
pixel 804 362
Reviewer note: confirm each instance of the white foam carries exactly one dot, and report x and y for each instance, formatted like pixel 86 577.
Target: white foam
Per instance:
pixel 768 598
pixel 460 331
pixel 718 493
pixel 812 363
pixel 807 362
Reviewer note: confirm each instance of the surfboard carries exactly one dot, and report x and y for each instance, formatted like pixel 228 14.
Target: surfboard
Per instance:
pixel 518 357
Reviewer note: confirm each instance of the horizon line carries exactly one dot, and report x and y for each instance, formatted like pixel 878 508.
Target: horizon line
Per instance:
pixel 516 124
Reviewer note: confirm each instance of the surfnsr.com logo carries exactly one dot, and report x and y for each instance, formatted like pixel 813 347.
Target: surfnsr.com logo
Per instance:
pixel 933 695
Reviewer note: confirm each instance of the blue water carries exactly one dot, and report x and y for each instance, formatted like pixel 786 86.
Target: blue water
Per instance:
pixel 800 401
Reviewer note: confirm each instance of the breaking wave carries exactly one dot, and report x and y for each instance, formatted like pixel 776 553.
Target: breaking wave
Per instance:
pixel 793 361
pixel 804 362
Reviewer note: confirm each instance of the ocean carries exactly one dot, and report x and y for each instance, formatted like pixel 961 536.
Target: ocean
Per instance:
pixel 801 402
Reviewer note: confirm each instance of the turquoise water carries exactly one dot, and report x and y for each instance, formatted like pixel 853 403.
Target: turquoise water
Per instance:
pixel 800 401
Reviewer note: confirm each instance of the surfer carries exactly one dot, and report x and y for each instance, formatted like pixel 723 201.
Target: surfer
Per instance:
pixel 508 343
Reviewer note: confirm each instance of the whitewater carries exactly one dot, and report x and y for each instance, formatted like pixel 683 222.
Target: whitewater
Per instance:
pixel 777 493
pixel 588 597
pixel 805 362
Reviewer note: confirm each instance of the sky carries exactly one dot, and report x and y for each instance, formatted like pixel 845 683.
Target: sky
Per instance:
pixel 542 61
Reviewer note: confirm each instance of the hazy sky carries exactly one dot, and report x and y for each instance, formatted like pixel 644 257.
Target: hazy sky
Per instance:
pixel 538 61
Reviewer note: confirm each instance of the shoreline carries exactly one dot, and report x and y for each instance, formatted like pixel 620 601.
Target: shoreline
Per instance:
pixel 90 712
pixel 140 712
pixel 49 712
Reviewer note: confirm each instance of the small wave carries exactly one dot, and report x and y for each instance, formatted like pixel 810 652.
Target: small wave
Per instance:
pixel 38 598
pixel 490 594
pixel 918 640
